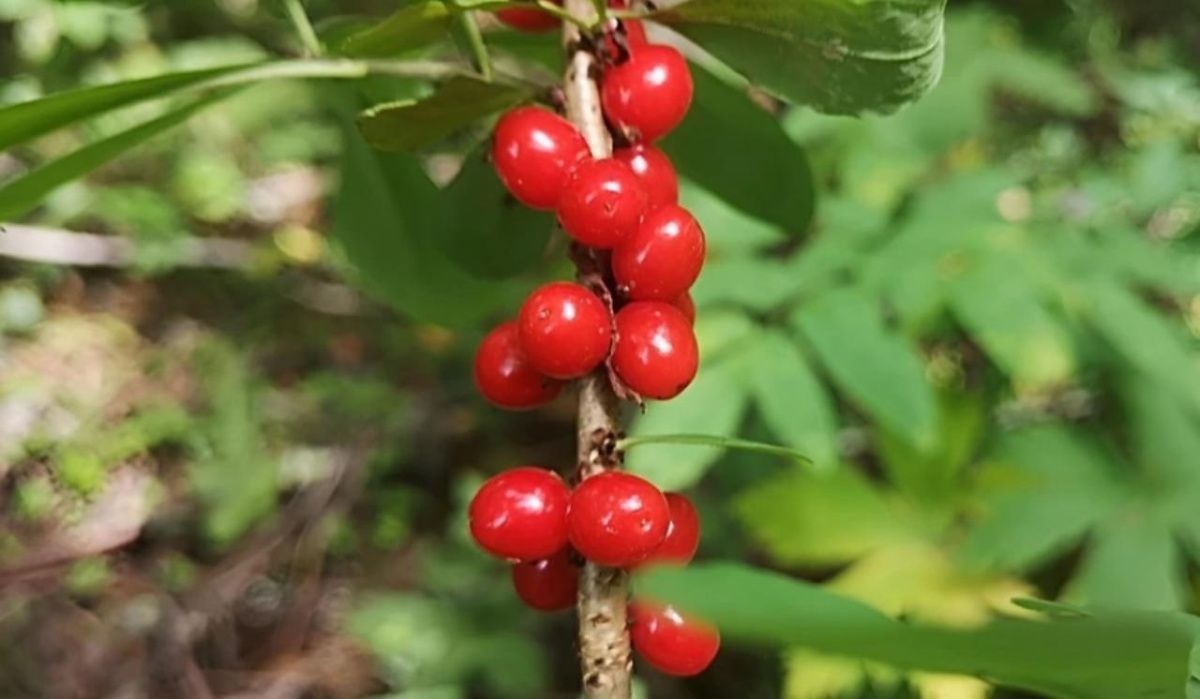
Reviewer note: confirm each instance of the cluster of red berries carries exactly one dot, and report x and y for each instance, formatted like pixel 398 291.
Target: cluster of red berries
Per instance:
pixel 623 209
pixel 635 316
pixel 528 515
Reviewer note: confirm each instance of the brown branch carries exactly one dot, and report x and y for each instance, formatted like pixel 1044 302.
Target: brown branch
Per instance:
pixel 604 649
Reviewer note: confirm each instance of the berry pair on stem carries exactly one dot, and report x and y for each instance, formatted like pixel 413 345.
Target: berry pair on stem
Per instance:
pixel 529 516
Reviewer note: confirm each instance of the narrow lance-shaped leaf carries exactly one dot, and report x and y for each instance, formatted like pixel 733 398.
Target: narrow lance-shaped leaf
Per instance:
pixel 1106 655
pixel 837 56
pixel 458 103
pixel 873 365
pixel 22 195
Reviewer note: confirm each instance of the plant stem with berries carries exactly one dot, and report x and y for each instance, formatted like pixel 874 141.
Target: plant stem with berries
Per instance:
pixel 604 647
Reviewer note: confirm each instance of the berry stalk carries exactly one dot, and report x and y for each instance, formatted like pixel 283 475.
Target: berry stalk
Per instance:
pixel 604 646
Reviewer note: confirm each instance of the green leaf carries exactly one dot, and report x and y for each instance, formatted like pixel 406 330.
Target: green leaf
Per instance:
pixel 20 196
pixel 412 26
pixel 1005 314
pixel 387 219
pixel 833 55
pixel 1145 339
pixel 1132 563
pixel 28 120
pixel 412 125
pixel 874 366
pixel 712 405
pixel 809 519
pixel 1108 655
pixel 484 230
pixel 791 401
pixel 754 283
pixel 1045 487
pixel 933 475
pixel 753 166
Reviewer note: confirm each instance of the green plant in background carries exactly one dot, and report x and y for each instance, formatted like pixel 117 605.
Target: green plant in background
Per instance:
pixel 977 317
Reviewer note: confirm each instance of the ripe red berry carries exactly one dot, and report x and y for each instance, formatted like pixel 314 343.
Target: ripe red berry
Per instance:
pixel 617 519
pixel 650 93
pixel 663 258
pixel 549 584
pixel 529 20
pixel 656 353
pixel 672 643
pixel 634 33
pixel 565 330
pixel 687 306
pixel 655 170
pixel 683 536
pixel 534 151
pixel 505 377
pixel 521 514
pixel 602 203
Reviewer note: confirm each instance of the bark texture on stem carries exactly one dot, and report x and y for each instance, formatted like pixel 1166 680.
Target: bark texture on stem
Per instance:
pixel 604 649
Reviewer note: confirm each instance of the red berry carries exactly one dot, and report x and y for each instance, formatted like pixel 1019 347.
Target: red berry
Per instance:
pixel 683 536
pixel 529 20
pixel 504 376
pixel 521 514
pixel 686 306
pixel 672 643
pixel 663 258
pixel 565 330
pixel 534 151
pixel 650 93
pixel 655 170
pixel 617 519
pixel 602 203
pixel 656 353
pixel 549 584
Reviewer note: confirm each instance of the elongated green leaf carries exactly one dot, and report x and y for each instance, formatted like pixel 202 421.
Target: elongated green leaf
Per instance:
pixel 485 231
pixel 753 166
pixel 838 56
pixel 1144 338
pixel 1132 563
pixel 1004 313
pixel 22 195
pixel 415 124
pixel 874 366
pixel 1045 488
pixel 1107 655
pixel 412 26
pixel 27 120
pixel 386 216
pixel 792 401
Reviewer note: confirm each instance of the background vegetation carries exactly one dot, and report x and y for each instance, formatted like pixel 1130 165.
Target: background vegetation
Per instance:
pixel 233 462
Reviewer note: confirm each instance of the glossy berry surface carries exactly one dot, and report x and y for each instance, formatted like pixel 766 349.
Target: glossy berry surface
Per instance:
pixel 521 514
pixel 672 643
pixel 565 330
pixel 663 257
pixel 528 20
pixel 534 151
pixel 656 172
pixel 617 519
pixel 602 204
pixel 649 94
pixel 549 584
pixel 687 306
pixel 683 536
pixel 505 377
pixel 656 353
